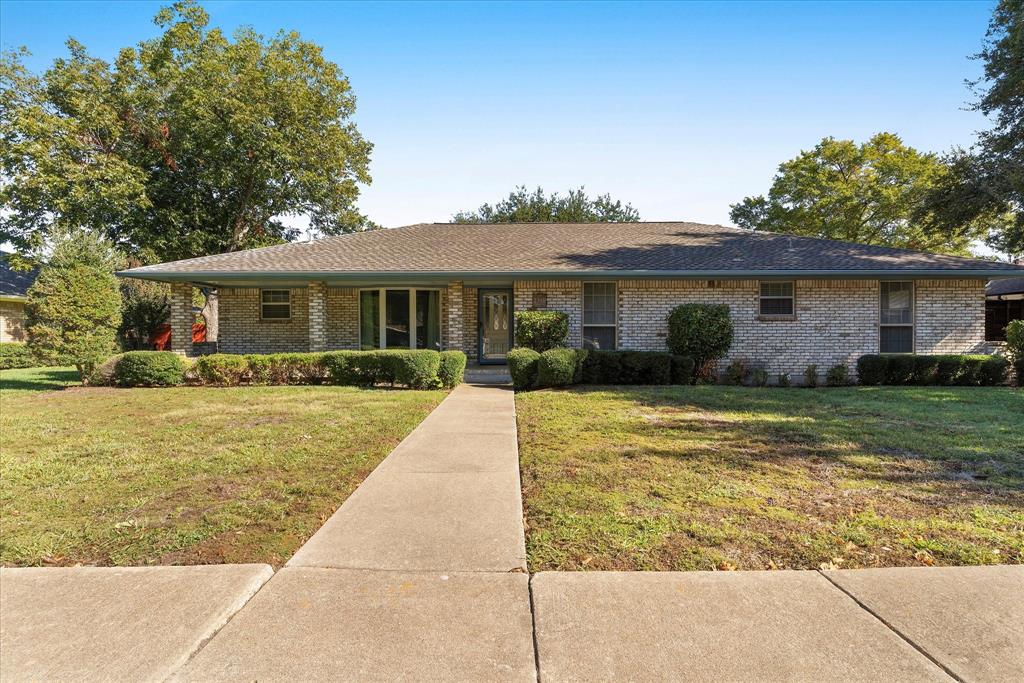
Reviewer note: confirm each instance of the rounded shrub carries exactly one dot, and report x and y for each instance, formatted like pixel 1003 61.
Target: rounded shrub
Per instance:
pixel 993 371
pixel 871 369
pixel 541 330
pixel 523 366
pixel 103 374
pixel 452 368
pixel 149 369
pixel 701 331
pixel 223 369
pixel 811 376
pixel 899 369
pixel 15 355
pixel 556 368
pixel 837 376
pixel 682 369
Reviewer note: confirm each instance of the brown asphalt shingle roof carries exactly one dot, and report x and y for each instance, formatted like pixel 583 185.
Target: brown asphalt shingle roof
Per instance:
pixel 571 248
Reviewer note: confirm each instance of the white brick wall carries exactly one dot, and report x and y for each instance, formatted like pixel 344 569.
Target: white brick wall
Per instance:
pixel 950 316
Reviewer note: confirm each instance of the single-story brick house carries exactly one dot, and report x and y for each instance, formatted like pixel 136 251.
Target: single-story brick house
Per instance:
pixel 14 286
pixel 793 300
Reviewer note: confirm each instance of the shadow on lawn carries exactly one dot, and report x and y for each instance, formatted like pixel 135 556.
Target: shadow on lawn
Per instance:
pixel 959 445
pixel 38 379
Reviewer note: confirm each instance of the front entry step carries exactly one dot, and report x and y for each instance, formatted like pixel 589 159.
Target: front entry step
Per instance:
pixel 487 374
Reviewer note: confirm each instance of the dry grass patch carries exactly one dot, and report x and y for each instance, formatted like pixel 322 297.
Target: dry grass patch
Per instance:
pixel 665 478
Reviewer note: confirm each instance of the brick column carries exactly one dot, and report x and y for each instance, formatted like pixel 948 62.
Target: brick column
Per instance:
pixel 455 316
pixel 317 316
pixel 181 318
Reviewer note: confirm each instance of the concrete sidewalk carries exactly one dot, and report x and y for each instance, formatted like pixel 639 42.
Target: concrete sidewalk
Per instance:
pixel 114 623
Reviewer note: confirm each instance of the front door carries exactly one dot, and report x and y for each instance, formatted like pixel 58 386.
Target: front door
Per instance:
pixel 495 316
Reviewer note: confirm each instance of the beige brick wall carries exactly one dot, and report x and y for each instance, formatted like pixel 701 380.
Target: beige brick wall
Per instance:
pixel 12 322
pixel 342 318
pixel 950 316
pixel 242 330
pixel 562 295
pixel 836 321
pixel 470 328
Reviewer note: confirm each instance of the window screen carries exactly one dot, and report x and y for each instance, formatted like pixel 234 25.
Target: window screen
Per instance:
pixel 275 304
pixel 777 298
pixel 896 318
pixel 599 303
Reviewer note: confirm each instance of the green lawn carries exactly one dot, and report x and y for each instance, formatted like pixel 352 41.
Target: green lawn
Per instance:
pixel 664 478
pixel 182 476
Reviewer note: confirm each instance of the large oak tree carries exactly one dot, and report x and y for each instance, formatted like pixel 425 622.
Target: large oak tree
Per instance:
pixel 872 193
pixel 191 143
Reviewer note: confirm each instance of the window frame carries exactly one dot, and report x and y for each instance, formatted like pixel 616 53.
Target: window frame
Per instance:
pixel 382 314
pixel 264 304
pixel 913 317
pixel 614 325
pixel 761 297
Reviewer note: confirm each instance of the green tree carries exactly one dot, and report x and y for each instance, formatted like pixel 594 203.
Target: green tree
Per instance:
pixel 873 193
pixel 990 183
pixel 187 144
pixel 523 206
pixel 74 306
pixel 145 306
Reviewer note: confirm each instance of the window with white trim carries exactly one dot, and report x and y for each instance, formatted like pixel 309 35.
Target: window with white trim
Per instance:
pixel 275 304
pixel 896 317
pixel 400 319
pixel 599 315
pixel 777 299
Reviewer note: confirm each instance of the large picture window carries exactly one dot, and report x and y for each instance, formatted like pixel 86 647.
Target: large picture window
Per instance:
pixel 599 303
pixel 275 304
pixel 400 319
pixel 776 299
pixel 896 318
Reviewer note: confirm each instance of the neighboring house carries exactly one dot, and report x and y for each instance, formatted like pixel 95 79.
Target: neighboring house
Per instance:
pixel 793 300
pixel 1004 301
pixel 14 286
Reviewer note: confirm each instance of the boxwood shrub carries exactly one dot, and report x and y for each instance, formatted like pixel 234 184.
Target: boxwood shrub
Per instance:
pixel 222 368
pixel 149 369
pixel 522 366
pixel 923 370
pixel 14 355
pixel 541 330
pixel 452 368
pixel 419 369
pixel 556 368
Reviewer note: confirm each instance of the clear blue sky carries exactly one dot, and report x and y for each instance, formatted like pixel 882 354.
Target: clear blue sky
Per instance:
pixel 680 109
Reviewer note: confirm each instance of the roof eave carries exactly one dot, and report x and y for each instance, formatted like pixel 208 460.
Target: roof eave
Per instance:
pixel 248 277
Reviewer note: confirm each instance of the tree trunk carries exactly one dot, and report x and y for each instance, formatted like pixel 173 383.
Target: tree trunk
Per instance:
pixel 211 313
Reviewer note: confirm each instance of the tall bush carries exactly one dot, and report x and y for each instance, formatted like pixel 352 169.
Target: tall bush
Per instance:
pixel 541 330
pixel 557 368
pixel 701 331
pixel 74 306
pixel 522 365
pixel 1015 348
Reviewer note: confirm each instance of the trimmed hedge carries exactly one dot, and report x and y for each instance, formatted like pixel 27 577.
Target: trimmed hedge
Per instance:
pixel 221 368
pixel 452 368
pixel 702 331
pixel 541 330
pixel 149 369
pixel 636 367
pixel 943 370
pixel 556 368
pixel 421 369
pixel 522 366
pixel 14 355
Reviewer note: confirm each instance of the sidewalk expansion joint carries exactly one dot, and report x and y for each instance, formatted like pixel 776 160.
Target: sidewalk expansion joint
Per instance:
pixel 533 630
pixel 892 628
